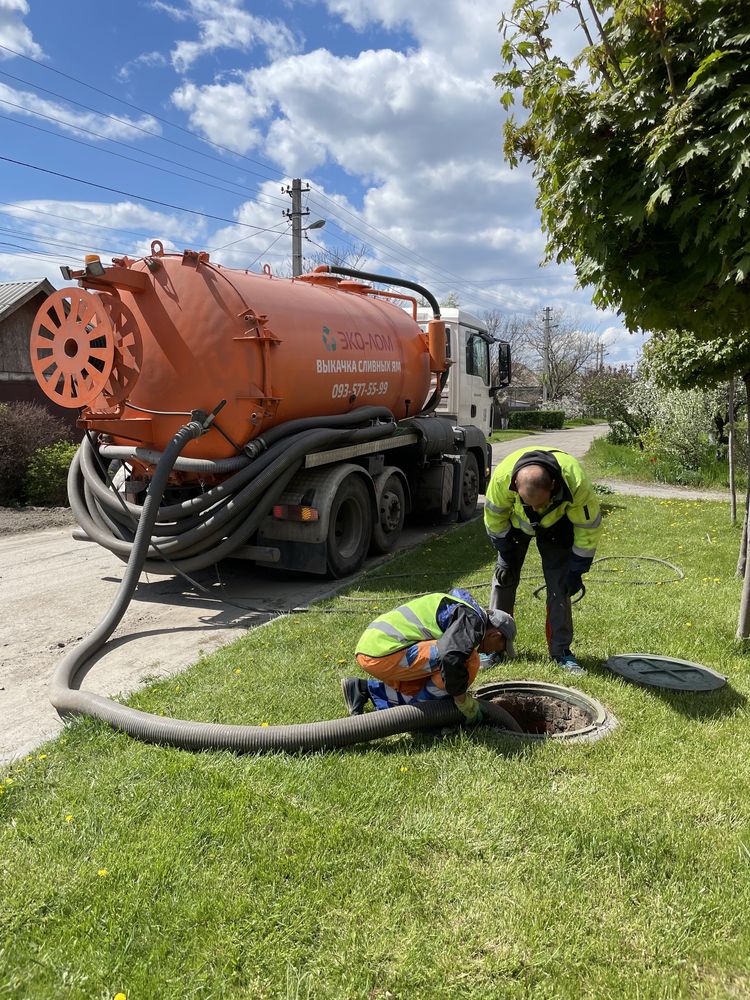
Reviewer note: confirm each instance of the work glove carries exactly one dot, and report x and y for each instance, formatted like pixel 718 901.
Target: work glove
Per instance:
pixel 503 573
pixel 573 583
pixel 470 708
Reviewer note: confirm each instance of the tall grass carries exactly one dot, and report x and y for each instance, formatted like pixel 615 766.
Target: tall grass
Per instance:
pixel 417 867
pixel 630 462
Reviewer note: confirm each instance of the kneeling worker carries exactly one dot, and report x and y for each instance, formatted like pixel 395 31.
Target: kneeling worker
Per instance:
pixel 426 649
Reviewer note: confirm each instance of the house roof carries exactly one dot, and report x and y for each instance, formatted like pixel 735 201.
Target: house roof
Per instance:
pixel 14 294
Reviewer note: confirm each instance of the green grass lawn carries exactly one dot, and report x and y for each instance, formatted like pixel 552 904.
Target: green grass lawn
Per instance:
pixel 510 435
pixel 622 461
pixel 470 866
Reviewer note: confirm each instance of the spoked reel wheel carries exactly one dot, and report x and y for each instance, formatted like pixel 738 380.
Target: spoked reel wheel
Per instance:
pixel 72 347
pixel 128 358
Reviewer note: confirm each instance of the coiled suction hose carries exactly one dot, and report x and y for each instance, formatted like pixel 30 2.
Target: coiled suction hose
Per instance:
pixel 212 736
pixel 206 528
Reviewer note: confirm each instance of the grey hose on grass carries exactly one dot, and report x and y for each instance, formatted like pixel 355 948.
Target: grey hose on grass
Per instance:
pixel 189 735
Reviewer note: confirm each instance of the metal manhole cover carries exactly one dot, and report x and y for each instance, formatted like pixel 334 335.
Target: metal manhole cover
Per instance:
pixel 665 672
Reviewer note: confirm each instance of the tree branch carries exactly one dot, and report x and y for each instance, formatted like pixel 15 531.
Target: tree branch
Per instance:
pixel 606 43
pixel 576 4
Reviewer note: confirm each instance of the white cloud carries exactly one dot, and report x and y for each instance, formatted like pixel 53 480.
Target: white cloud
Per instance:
pixel 147 59
pixel 25 103
pixel 224 24
pixel 14 33
pixel 463 32
pixel 73 228
pixel 224 113
pixel 622 347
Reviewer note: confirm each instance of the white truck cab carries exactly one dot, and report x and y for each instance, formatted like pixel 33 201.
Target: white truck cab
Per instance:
pixel 469 393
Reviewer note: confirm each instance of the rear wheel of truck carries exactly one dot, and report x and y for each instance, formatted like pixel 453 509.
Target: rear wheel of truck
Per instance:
pixel 349 528
pixel 469 489
pixel 391 511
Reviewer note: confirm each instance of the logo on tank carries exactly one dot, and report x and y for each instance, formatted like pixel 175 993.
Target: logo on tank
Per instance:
pixel 329 339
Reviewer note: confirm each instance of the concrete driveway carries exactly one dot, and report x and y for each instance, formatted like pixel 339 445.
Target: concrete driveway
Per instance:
pixel 54 591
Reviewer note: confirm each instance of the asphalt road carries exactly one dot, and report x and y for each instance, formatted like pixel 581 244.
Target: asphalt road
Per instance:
pixel 54 591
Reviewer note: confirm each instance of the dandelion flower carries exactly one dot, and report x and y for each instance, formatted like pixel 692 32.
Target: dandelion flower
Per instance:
pixel 69 818
pixel 238 670
pixel 102 873
pixel 264 723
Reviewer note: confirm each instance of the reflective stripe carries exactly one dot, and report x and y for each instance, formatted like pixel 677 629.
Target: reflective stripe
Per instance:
pixel 525 525
pixel 498 534
pixel 409 615
pixel 588 524
pixel 488 505
pixel 389 630
pixel 586 553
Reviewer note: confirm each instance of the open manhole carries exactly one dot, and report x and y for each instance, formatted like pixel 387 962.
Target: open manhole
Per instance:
pixel 549 711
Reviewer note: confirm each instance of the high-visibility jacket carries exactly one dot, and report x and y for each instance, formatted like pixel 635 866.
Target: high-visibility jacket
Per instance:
pixel 574 498
pixel 454 620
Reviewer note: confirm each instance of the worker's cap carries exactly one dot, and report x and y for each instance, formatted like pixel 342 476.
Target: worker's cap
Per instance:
pixel 506 624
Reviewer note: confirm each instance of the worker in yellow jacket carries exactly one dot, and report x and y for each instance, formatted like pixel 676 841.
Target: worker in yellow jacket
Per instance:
pixel 425 649
pixel 543 493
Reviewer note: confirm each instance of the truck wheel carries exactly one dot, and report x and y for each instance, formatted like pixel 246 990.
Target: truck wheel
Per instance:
pixel 469 489
pixel 390 516
pixel 349 528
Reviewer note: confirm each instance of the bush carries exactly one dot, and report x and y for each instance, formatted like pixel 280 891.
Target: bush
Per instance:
pixel 536 419
pixel 47 475
pixel 620 433
pixel 24 427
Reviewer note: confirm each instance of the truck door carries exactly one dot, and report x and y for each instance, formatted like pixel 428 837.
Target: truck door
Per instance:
pixel 478 381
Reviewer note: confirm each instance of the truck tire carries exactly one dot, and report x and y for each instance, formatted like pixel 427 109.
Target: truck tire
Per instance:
pixel 349 527
pixel 390 514
pixel 469 489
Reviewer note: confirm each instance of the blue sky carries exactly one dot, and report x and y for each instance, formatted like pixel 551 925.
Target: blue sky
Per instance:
pixel 183 121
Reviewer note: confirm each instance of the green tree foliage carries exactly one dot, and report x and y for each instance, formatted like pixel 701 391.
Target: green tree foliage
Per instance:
pixel 681 360
pixel 640 148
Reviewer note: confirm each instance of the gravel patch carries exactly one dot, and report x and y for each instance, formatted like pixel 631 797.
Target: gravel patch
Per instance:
pixel 21 520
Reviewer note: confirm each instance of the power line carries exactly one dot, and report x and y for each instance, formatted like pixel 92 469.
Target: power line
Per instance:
pixel 127 124
pixel 255 192
pixel 129 194
pixel 135 107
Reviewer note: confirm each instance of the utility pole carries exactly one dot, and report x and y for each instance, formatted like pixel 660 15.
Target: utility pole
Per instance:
pixel 295 214
pixel 545 355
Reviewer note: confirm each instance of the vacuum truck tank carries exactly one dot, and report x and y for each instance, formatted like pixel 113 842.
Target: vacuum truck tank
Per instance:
pixel 316 395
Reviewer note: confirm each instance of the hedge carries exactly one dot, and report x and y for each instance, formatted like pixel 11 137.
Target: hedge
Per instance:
pixel 536 419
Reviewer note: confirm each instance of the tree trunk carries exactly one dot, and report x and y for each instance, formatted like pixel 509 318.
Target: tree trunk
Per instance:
pixel 732 477
pixel 743 622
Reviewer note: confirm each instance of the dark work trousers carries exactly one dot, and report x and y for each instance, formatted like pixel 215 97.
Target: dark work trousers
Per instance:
pixel 555 547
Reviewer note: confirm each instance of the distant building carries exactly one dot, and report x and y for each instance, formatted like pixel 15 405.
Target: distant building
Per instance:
pixel 19 302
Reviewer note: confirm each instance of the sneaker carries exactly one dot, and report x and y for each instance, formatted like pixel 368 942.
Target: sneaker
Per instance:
pixel 356 694
pixel 568 662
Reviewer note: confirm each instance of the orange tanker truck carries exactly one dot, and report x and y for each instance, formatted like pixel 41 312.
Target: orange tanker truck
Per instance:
pixel 323 409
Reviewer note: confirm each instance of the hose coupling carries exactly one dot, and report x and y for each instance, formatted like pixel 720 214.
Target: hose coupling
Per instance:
pixel 206 419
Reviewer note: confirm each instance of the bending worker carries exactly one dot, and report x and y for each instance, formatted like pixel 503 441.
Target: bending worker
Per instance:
pixel 426 649
pixel 543 493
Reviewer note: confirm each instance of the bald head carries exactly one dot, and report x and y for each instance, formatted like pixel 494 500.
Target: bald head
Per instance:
pixel 535 486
